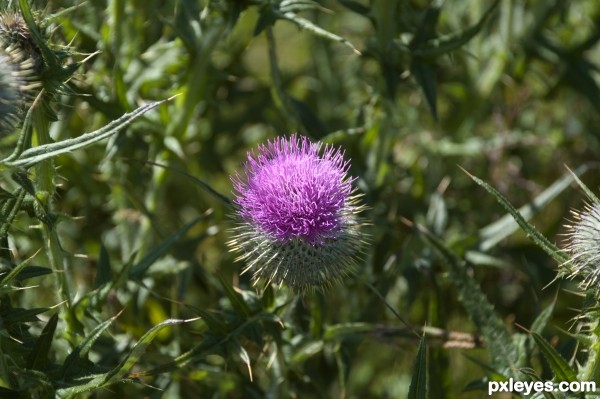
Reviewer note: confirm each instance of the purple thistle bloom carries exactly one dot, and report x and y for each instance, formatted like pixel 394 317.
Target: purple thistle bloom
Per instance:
pixel 297 213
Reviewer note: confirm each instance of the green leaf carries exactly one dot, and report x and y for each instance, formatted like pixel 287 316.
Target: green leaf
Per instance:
pixel 355 6
pixel 309 119
pixel 306 351
pixel 32 272
pixel 235 347
pixel 426 29
pixel 6 195
pixel 590 194
pixel 214 323
pixel 317 30
pixel 493 373
pixel 205 186
pixel 82 350
pixel 580 74
pixel 187 26
pixel 529 229
pixel 300 5
pixel 531 373
pixel 103 272
pixel 268 297
pixel 119 373
pixel 23 180
pixel 236 299
pixel 266 18
pixel 480 384
pixel 37 154
pixel 494 233
pixel 137 271
pixel 18 315
pixel 424 74
pixel 418 382
pixel 541 321
pixel 9 393
pixel 48 55
pixel 560 367
pixel 38 357
pixel 444 44
pixel 16 271
pixel 340 331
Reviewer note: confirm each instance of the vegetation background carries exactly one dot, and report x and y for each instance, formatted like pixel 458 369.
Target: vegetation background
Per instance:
pixel 413 90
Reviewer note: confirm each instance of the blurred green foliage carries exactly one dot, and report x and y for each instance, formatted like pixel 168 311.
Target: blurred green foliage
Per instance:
pixel 411 89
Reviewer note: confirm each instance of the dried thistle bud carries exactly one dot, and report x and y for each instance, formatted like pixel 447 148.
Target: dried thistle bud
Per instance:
pixel 583 244
pixel 297 215
pixel 20 65
pixel 15 37
pixel 16 83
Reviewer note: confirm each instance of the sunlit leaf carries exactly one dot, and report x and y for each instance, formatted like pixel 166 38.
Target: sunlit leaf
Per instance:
pixel 37 154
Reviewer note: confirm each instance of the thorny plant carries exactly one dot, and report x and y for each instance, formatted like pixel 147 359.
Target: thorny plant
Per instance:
pixel 114 269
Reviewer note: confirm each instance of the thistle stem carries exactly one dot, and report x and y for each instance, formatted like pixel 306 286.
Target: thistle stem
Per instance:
pixel 278 93
pixel 45 189
pixel 385 302
pixel 591 371
pixel 196 91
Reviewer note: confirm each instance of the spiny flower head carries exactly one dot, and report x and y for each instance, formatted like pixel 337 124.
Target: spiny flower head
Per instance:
pixel 20 62
pixel 583 243
pixel 15 34
pixel 297 214
pixel 31 51
pixel 16 83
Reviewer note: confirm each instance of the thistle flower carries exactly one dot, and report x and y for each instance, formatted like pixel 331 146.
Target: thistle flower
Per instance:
pixel 297 214
pixel 583 243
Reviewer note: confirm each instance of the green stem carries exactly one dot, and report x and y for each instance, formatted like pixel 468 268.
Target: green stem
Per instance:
pixel 199 350
pixel 45 189
pixel 10 209
pixel 385 302
pixel 591 372
pixel 196 91
pixel 278 92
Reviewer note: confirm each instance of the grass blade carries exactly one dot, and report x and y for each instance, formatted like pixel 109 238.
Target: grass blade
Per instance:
pixel 418 383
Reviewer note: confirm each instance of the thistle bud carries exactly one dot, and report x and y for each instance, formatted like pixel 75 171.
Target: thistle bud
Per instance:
pixel 19 66
pixel 583 244
pixel 297 213
pixel 16 38
pixel 15 94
